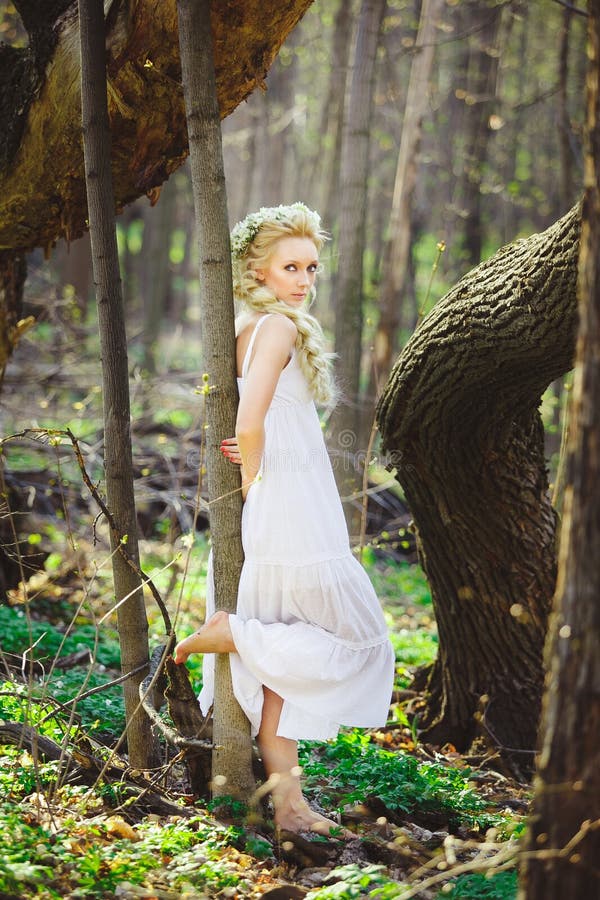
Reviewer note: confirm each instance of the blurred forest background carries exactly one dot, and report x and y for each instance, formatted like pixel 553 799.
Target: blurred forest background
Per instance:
pixel 497 155
pixel 427 134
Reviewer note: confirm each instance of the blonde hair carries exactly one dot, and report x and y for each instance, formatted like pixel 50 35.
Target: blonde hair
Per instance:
pixel 276 224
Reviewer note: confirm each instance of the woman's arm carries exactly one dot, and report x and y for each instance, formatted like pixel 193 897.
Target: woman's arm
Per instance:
pixel 271 353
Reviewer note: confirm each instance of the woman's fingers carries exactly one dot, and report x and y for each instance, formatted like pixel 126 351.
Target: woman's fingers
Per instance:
pixel 230 449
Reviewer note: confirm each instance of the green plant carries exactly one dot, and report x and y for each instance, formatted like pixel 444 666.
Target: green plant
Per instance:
pixel 356 881
pixel 491 886
pixel 352 769
pixel 19 632
pixel 227 807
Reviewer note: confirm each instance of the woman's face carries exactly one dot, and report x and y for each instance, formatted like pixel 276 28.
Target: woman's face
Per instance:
pixel 292 269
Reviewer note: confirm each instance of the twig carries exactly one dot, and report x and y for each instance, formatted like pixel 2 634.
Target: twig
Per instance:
pixel 365 489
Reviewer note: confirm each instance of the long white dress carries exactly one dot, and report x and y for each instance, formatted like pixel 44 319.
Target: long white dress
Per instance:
pixel 308 624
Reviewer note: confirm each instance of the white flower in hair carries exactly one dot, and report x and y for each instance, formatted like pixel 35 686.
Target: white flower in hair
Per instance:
pixel 245 231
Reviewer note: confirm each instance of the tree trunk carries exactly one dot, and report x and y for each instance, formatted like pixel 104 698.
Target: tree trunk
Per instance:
pixel 333 112
pixel 567 788
pixel 157 235
pixel 131 611
pixel 13 271
pixel 397 250
pixel 480 88
pixel 73 265
pixel 459 420
pixel 348 298
pixel 232 756
pixel 565 131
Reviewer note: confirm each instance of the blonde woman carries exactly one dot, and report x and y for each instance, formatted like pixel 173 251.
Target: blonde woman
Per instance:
pixel 308 644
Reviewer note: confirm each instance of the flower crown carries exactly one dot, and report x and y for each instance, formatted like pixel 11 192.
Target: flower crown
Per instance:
pixel 245 231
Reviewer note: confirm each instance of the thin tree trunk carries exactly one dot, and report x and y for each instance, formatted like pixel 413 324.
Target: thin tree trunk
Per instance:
pixel 567 789
pixel 131 613
pixel 13 272
pixel 74 265
pixel 565 135
pixel 157 234
pixel 459 420
pixel 397 251
pixel 480 88
pixel 333 112
pixel 348 299
pixel 232 756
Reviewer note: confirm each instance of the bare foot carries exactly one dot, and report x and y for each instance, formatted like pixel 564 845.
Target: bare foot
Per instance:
pixel 300 817
pixel 214 637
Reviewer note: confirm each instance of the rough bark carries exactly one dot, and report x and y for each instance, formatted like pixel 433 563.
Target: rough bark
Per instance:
pixel 131 611
pixel 42 191
pixel 459 419
pixel 348 288
pixel 232 755
pixel 565 824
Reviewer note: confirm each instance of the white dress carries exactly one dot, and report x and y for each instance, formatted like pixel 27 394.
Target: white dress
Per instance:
pixel 308 624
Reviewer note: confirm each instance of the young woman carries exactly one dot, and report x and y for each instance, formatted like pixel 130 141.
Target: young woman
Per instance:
pixel 308 643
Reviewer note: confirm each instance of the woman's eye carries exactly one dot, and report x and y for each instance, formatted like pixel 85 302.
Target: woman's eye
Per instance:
pixel 313 268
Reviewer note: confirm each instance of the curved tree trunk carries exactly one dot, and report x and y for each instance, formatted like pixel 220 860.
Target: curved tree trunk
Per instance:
pixel 459 420
pixel 567 791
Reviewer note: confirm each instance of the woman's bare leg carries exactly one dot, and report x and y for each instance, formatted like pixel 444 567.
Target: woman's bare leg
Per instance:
pixel 214 637
pixel 280 758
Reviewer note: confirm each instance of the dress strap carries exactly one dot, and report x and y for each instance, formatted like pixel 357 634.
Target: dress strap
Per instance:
pixel 246 362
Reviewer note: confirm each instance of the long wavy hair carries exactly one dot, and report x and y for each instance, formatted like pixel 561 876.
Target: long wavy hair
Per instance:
pixel 315 362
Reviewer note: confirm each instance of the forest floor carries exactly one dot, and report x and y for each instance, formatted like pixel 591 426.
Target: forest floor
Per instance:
pixel 75 820
pixel 428 821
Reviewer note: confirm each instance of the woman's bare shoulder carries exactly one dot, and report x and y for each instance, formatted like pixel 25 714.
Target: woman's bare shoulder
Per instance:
pixel 279 329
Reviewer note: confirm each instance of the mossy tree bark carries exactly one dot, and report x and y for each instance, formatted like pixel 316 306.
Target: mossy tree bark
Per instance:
pixel 131 611
pixel 232 756
pixel 459 420
pixel 565 806
pixel 42 186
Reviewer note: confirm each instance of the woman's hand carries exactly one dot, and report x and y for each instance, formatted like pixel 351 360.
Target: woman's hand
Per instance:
pixel 231 451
